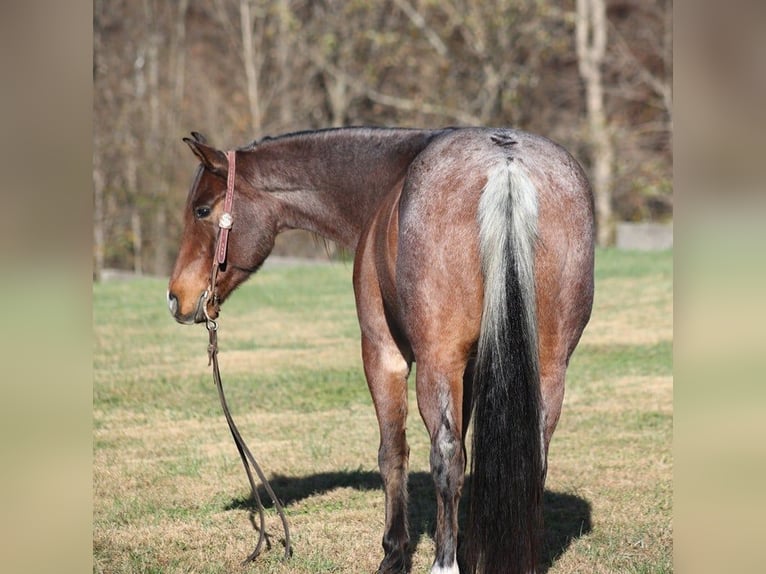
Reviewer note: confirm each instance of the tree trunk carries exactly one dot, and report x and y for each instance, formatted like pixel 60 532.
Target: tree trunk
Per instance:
pixel 338 98
pixel 251 72
pixel 177 65
pixel 136 229
pixel 99 183
pixel 283 57
pixel 591 49
pixel 99 175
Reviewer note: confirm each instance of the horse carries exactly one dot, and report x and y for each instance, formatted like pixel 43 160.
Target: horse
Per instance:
pixel 473 258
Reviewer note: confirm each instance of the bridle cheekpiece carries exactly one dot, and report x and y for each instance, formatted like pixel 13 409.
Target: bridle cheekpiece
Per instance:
pixel 225 223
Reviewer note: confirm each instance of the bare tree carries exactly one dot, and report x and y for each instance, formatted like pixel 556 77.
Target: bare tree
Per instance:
pixel 99 177
pixel 252 64
pixel 99 236
pixel 136 225
pixel 591 49
pixel 268 66
pixel 285 16
pixel 177 74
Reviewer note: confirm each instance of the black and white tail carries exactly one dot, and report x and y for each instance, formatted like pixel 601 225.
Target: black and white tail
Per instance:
pixel 505 518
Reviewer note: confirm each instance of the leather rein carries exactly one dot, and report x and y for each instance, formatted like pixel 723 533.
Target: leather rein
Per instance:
pixel 224 225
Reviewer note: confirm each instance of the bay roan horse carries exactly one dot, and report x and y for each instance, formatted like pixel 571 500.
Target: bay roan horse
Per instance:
pixel 473 257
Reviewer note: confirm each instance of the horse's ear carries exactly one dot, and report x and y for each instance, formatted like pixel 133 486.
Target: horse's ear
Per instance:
pixel 213 159
pixel 199 137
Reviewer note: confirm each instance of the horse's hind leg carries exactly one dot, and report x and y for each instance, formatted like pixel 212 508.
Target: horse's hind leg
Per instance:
pixel 564 301
pixel 386 370
pixel 440 400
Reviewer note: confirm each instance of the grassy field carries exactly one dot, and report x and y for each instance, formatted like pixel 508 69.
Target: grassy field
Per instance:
pixel 169 491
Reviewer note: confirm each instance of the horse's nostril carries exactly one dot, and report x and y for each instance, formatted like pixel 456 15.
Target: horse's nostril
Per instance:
pixel 172 303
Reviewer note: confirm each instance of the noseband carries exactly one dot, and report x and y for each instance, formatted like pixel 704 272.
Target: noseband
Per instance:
pixel 224 225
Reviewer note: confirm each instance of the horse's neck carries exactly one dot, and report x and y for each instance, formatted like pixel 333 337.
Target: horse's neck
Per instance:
pixel 332 182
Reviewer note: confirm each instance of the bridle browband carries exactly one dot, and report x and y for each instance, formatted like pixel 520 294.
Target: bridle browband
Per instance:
pixel 225 223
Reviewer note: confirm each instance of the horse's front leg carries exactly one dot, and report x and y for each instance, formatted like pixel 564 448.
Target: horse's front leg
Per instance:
pixel 387 371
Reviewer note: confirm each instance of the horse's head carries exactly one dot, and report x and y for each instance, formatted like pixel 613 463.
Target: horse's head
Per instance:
pixel 250 241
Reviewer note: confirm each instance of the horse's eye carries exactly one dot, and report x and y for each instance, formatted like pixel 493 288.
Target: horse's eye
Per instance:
pixel 202 212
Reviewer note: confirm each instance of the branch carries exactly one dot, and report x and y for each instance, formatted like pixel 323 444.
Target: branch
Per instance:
pixel 397 102
pixel 414 106
pixel 661 87
pixel 417 19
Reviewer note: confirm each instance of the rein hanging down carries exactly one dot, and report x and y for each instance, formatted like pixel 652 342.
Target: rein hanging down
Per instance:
pixel 224 224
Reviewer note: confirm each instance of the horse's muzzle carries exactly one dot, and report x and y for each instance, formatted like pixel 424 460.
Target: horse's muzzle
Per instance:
pixel 198 316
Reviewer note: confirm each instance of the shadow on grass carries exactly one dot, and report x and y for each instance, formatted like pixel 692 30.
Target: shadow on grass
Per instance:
pixel 567 517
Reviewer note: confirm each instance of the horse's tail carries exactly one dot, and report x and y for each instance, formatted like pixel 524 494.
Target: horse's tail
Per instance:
pixel 505 518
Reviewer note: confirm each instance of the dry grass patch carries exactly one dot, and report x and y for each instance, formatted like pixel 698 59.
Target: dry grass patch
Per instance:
pixel 631 311
pixel 170 494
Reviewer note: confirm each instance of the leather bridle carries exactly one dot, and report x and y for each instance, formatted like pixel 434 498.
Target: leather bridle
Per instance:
pixel 219 259
pixel 224 226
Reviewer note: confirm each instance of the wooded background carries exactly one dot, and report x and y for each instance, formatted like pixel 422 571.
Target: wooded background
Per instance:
pixel 594 75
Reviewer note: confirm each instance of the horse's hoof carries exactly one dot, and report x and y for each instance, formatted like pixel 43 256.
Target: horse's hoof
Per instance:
pixel 393 563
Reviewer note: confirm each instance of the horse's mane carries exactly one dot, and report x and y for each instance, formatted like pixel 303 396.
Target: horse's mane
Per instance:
pixel 321 132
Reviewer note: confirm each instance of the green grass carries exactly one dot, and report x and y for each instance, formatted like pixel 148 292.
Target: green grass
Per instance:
pixel 169 491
